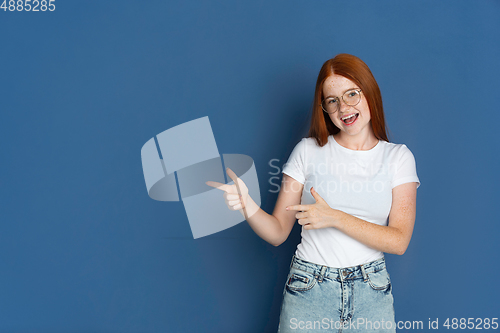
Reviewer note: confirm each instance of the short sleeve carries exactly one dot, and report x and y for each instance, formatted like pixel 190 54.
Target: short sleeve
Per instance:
pixel 406 170
pixel 294 167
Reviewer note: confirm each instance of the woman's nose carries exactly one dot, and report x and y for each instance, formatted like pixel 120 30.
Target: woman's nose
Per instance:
pixel 343 106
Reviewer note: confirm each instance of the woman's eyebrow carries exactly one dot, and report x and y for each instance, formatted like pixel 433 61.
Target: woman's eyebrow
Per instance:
pixel 349 89
pixel 330 96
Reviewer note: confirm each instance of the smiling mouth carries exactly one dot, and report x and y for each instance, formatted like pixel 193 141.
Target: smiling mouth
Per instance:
pixel 350 119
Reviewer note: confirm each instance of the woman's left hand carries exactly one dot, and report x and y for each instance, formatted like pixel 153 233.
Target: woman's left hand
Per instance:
pixel 315 216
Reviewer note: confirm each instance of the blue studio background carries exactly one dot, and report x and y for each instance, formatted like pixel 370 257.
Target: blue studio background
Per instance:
pixel 84 249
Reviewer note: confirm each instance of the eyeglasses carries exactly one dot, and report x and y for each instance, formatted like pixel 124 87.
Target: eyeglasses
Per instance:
pixel 350 97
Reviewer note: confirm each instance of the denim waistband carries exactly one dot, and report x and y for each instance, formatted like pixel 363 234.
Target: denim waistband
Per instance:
pixel 346 273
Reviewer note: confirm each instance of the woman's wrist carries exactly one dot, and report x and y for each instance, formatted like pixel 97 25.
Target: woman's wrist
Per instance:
pixel 335 218
pixel 249 208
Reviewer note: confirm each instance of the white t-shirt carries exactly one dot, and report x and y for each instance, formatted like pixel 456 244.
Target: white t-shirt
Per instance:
pixel 357 182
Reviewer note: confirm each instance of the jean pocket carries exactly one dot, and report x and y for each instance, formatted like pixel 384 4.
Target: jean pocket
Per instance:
pixel 299 280
pixel 379 280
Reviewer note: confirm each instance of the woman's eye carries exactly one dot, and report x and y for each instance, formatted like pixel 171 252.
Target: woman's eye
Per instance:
pixel 332 101
pixel 352 93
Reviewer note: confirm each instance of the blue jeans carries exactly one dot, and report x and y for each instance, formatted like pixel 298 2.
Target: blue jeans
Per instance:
pixel 319 298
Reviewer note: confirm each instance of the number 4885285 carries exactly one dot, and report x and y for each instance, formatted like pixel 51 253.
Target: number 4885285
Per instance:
pixel 28 5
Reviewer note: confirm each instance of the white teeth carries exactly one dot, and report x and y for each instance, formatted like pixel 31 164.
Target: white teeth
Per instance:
pixel 344 118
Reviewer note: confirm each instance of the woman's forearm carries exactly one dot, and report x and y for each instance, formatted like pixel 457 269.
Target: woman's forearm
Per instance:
pixel 266 226
pixel 393 238
pixel 383 238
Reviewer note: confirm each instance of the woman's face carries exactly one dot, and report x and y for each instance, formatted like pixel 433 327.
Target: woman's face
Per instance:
pixel 351 120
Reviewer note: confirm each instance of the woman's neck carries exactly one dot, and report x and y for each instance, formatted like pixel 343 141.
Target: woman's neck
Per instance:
pixel 360 141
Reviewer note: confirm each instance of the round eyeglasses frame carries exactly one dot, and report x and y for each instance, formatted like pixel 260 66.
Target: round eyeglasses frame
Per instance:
pixel 338 99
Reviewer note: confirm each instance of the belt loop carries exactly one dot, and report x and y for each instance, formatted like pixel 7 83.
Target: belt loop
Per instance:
pixel 322 273
pixel 365 276
pixel 291 263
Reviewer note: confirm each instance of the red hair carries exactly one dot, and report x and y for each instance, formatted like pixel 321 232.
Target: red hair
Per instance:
pixel 354 69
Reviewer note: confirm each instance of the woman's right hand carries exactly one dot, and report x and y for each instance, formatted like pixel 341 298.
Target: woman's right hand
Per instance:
pixel 236 195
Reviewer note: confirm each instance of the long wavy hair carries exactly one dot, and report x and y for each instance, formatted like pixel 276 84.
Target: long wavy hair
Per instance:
pixel 354 69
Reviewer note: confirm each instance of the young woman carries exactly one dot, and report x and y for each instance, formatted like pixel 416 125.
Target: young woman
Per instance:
pixel 354 194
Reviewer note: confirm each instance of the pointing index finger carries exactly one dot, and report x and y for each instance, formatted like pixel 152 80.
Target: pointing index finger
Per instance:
pixel 298 207
pixel 220 186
